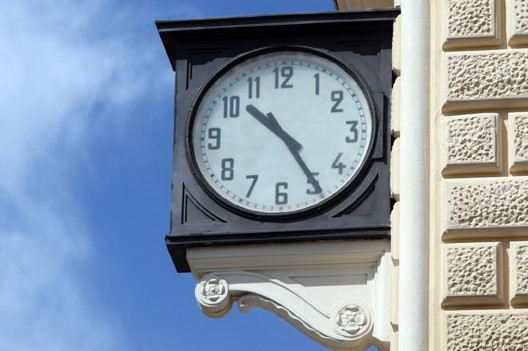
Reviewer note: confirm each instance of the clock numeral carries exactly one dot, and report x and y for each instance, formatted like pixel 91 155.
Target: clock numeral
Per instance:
pixel 312 181
pixel 337 97
pixel 254 179
pixel 256 90
pixel 231 106
pixel 317 79
pixel 354 131
pixel 285 72
pixel 228 172
pixel 281 197
pixel 215 135
pixel 337 164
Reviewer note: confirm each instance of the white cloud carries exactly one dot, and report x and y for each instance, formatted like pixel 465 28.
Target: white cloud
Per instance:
pixel 56 61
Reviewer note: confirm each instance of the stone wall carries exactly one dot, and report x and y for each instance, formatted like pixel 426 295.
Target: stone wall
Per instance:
pixel 479 107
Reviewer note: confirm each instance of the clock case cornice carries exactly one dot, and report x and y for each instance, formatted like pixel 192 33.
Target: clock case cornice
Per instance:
pixel 200 48
pixel 174 32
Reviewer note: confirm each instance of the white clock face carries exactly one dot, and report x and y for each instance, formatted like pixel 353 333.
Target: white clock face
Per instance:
pixel 281 132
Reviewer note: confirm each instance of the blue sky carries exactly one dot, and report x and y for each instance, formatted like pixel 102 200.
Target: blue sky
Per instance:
pixel 85 164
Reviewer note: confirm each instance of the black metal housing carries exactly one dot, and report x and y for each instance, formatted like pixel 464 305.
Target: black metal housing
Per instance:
pixel 199 49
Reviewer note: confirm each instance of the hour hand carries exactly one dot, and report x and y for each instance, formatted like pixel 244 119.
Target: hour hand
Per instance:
pixel 270 122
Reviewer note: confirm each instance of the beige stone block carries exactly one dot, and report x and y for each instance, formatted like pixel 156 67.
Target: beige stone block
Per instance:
pixel 519 141
pixel 517 20
pixel 395 232
pixel 471 23
pixel 471 144
pixel 490 330
pixel 396 108
pixel 519 253
pixel 486 79
pixel 394 305
pixel 487 206
pixel 472 274
pixel 395 170
pixel 396 47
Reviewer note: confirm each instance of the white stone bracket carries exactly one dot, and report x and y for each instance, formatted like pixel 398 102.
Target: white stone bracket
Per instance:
pixel 336 293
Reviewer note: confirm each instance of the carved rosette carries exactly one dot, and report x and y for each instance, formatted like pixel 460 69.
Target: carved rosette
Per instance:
pixel 212 295
pixel 352 321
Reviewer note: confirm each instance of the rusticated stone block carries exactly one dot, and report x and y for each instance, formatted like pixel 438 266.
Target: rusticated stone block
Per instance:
pixel 520 271
pixel 518 21
pixel 395 232
pixel 472 274
pixel 487 331
pixel 486 79
pixel 471 144
pixel 483 204
pixel 395 108
pixel 520 141
pixel 395 170
pixel 471 23
pixel 521 16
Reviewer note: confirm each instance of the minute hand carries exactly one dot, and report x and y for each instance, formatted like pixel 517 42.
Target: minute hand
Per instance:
pixel 270 122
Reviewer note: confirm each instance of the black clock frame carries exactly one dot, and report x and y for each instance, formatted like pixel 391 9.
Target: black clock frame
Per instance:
pixel 199 50
pixel 312 210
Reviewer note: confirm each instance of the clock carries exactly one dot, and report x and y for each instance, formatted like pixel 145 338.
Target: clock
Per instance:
pixel 281 132
pixel 281 129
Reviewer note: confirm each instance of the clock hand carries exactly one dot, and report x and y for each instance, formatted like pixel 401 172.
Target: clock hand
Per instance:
pixel 309 174
pixel 270 122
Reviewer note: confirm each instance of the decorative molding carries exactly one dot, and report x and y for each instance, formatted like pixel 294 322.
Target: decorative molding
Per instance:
pixel 192 212
pixel 336 293
pixel 352 321
pixel 213 296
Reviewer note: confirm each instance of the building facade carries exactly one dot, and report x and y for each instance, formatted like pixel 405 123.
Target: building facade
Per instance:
pixel 462 270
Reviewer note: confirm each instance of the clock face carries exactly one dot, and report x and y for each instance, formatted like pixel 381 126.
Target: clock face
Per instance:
pixel 281 133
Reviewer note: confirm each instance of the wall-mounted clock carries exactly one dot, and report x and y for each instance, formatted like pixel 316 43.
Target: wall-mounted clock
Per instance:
pixel 281 128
